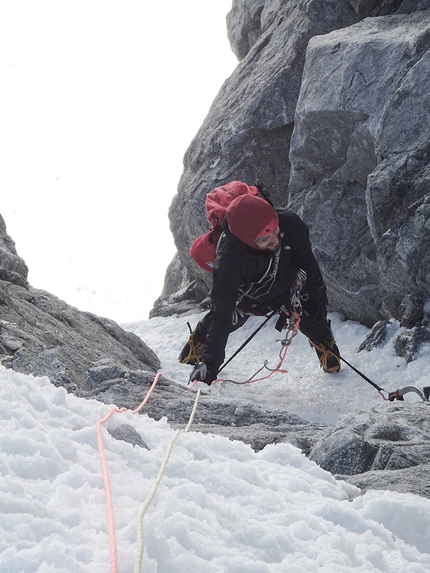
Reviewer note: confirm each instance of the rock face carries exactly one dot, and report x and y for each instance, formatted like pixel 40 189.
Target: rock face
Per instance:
pixel 247 133
pixel 43 336
pixel 329 108
pixel 360 161
pixel 12 268
pixel 386 448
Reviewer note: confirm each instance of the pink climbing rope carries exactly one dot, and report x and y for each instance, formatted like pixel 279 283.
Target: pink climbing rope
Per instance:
pixel 106 478
pixel 285 345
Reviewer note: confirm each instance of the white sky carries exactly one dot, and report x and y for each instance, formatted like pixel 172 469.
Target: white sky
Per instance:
pixel 99 102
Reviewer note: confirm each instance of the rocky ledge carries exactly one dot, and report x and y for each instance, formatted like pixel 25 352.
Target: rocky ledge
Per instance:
pixel 385 448
pixel 93 357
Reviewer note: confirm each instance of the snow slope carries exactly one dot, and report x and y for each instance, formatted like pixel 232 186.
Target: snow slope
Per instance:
pixel 220 507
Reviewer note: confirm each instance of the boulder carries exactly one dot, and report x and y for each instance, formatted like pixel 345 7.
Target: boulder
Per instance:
pixel 408 343
pixel 375 337
pixel 129 434
pixel 385 448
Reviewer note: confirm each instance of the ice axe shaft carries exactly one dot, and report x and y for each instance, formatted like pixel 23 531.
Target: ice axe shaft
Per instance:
pixel 250 337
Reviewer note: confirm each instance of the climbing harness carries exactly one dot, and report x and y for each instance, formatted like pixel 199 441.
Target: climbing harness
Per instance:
pixel 424 393
pixel 285 315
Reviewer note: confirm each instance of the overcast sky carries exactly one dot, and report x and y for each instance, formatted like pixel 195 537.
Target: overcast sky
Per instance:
pixel 99 102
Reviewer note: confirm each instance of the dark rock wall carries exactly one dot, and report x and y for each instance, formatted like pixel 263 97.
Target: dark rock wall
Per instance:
pixel 12 267
pixel 328 107
pixel 359 157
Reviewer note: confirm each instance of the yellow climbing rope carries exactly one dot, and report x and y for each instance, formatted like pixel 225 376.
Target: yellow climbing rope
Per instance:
pixel 140 541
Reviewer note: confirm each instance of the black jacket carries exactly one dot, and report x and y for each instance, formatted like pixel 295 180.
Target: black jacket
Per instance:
pixel 259 282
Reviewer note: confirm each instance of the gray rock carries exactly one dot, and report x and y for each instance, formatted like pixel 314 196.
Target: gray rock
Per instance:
pixel 375 336
pixel 410 480
pixel 12 268
pixel 410 6
pixel 246 135
pixel 244 25
pixel 411 310
pixel 181 295
pixel 408 343
pixel 386 448
pixel 301 435
pixel 103 370
pixel 359 162
pixel 43 336
pixel 388 445
pixel 242 421
pixel 365 8
pixel 127 433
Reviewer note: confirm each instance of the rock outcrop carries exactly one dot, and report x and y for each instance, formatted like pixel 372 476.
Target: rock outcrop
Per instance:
pixel 360 162
pixel 12 268
pixel 329 108
pixel 386 448
pixel 42 335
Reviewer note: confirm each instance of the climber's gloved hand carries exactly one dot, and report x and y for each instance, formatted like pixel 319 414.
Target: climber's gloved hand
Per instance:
pixel 203 373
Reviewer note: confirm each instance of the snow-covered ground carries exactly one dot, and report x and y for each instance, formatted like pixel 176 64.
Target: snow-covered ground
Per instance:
pixel 219 507
pixel 305 390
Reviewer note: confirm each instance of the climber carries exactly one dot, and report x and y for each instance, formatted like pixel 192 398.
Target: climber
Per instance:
pixel 259 256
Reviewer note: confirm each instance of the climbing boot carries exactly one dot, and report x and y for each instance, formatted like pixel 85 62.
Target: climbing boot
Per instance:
pixel 328 353
pixel 328 357
pixel 192 352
